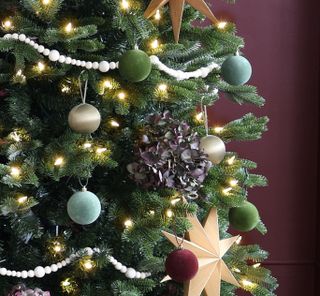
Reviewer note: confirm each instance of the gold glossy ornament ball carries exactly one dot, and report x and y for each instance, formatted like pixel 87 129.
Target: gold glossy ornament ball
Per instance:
pixel 214 147
pixel 84 119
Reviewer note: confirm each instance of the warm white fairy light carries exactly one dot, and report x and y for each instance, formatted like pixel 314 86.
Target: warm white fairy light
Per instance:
pixel 199 117
pixel 59 161
pixel 46 2
pixel 256 265
pixel 57 248
pixel 22 199
pixel 114 123
pixel 107 84
pixel 121 95
pixel 68 28
pixel 15 172
pixel 87 145
pixel 157 15
pixel 128 223
pixel 218 129
pixel 231 160
pixel 236 270
pixel 233 182
pixel 41 66
pixel 125 4
pixel 88 264
pixel 100 150
pixel 66 283
pixel 162 87
pixel 248 284
pixel 238 241
pixel 169 213
pixel 222 25
pixel 154 44
pixel 7 24
pixel 175 201
pixel 226 191
pixel 152 212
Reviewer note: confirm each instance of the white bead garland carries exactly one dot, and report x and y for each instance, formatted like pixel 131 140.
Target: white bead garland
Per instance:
pixel 40 271
pixel 106 66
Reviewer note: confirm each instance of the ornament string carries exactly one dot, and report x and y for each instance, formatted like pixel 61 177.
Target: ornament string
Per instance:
pixel 83 92
pixel 84 185
pixel 205 116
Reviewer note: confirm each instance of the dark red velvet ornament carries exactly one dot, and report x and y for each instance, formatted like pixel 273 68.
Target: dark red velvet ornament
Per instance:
pixel 182 265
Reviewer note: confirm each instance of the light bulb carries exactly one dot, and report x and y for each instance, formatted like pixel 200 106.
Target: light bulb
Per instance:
pixel 154 44
pixel 41 66
pixel 65 283
pixel 231 160
pixel 222 25
pixel 114 123
pixel 199 117
pixel 87 145
pixel 107 84
pixel 15 172
pixel 121 96
pixel 247 283
pixel 46 2
pixel 22 199
pixel 157 15
pixel 163 87
pixel 233 182
pixel 238 241
pixel 256 265
pixel 125 4
pixel 88 264
pixel 59 161
pixel 68 28
pixel 100 150
pixel 236 270
pixel 65 89
pixel 7 24
pixel 128 223
pixel 226 191
pixel 57 248
pixel 175 201
pixel 218 129
pixel 152 212
pixel 169 213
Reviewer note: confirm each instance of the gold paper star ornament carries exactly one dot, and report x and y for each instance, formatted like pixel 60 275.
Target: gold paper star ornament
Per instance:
pixel 176 11
pixel 205 243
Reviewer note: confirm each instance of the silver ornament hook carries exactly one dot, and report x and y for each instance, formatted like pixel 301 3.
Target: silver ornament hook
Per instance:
pixel 83 93
pixel 84 186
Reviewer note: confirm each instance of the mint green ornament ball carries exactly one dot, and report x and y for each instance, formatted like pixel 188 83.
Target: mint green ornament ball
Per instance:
pixel 84 207
pixel 134 65
pixel 236 70
pixel 244 218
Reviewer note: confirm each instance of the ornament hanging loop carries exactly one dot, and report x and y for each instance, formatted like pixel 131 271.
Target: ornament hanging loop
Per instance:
pixel 205 116
pixel 84 185
pixel 83 92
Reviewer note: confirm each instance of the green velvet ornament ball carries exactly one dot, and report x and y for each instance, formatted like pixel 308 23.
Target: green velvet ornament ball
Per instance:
pixel 134 65
pixel 244 218
pixel 236 70
pixel 84 207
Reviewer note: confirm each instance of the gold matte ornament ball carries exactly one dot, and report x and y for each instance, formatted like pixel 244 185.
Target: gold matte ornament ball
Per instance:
pixel 214 147
pixel 84 119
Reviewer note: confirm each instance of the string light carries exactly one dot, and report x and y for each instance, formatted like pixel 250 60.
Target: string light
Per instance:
pixel 87 264
pixel 65 89
pixel 175 201
pixel 233 182
pixel 114 123
pixel 107 84
pixel 59 161
pixel 66 283
pixel 152 212
pixel 236 270
pixel 218 129
pixel 128 223
pixel 41 66
pixel 46 2
pixel 157 15
pixel 256 265
pixel 121 95
pixel 231 160
pixel 68 28
pixel 169 213
pixel 222 25
pixel 154 44
pixel 87 145
pixel 163 87
pixel 100 150
pixel 125 4
pixel 22 199
pixel 226 191
pixel 15 172
pixel 247 283
pixel 7 24
pixel 238 241
pixel 57 248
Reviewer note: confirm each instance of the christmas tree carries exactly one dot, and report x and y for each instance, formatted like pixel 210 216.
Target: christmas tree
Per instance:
pixel 108 163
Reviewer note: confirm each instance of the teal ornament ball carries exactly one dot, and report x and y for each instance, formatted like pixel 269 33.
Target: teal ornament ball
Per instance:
pixel 84 207
pixel 135 65
pixel 236 70
pixel 244 218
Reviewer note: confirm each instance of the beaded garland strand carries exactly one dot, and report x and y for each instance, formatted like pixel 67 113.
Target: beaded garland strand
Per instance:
pixel 105 66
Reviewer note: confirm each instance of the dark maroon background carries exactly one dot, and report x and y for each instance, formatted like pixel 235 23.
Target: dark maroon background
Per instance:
pixel 282 43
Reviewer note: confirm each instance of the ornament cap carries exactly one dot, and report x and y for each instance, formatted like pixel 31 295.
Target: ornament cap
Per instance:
pixel 84 189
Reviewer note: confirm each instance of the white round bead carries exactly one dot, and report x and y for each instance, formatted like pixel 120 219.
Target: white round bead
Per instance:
pixel 9 273
pixel 78 63
pixel 95 65
pixel 64 263
pixel 83 63
pixel 41 48
pixel 62 59
pixel 68 60
pixel 27 40
pixel 3 271
pixel 68 260
pixel 46 52
pixel 7 36
pixel 131 273
pixel 39 272
pixel 47 270
pixel 118 266
pixel 73 256
pixel 15 36
pixel 104 66
pixel 32 43
pixel 54 267
pixel 124 269
pixel 14 273
pixel 24 274
pixel 18 274
pixel 36 46
pixel 59 265
pixel 22 37
pixel 88 65
pixel 73 61
pixel 138 275
pixel 112 65
pixel 117 64
pixel 143 275
pixel 89 251
pixel 31 273
pixel 54 55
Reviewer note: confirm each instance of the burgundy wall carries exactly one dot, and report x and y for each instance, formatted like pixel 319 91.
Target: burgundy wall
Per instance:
pixel 282 44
